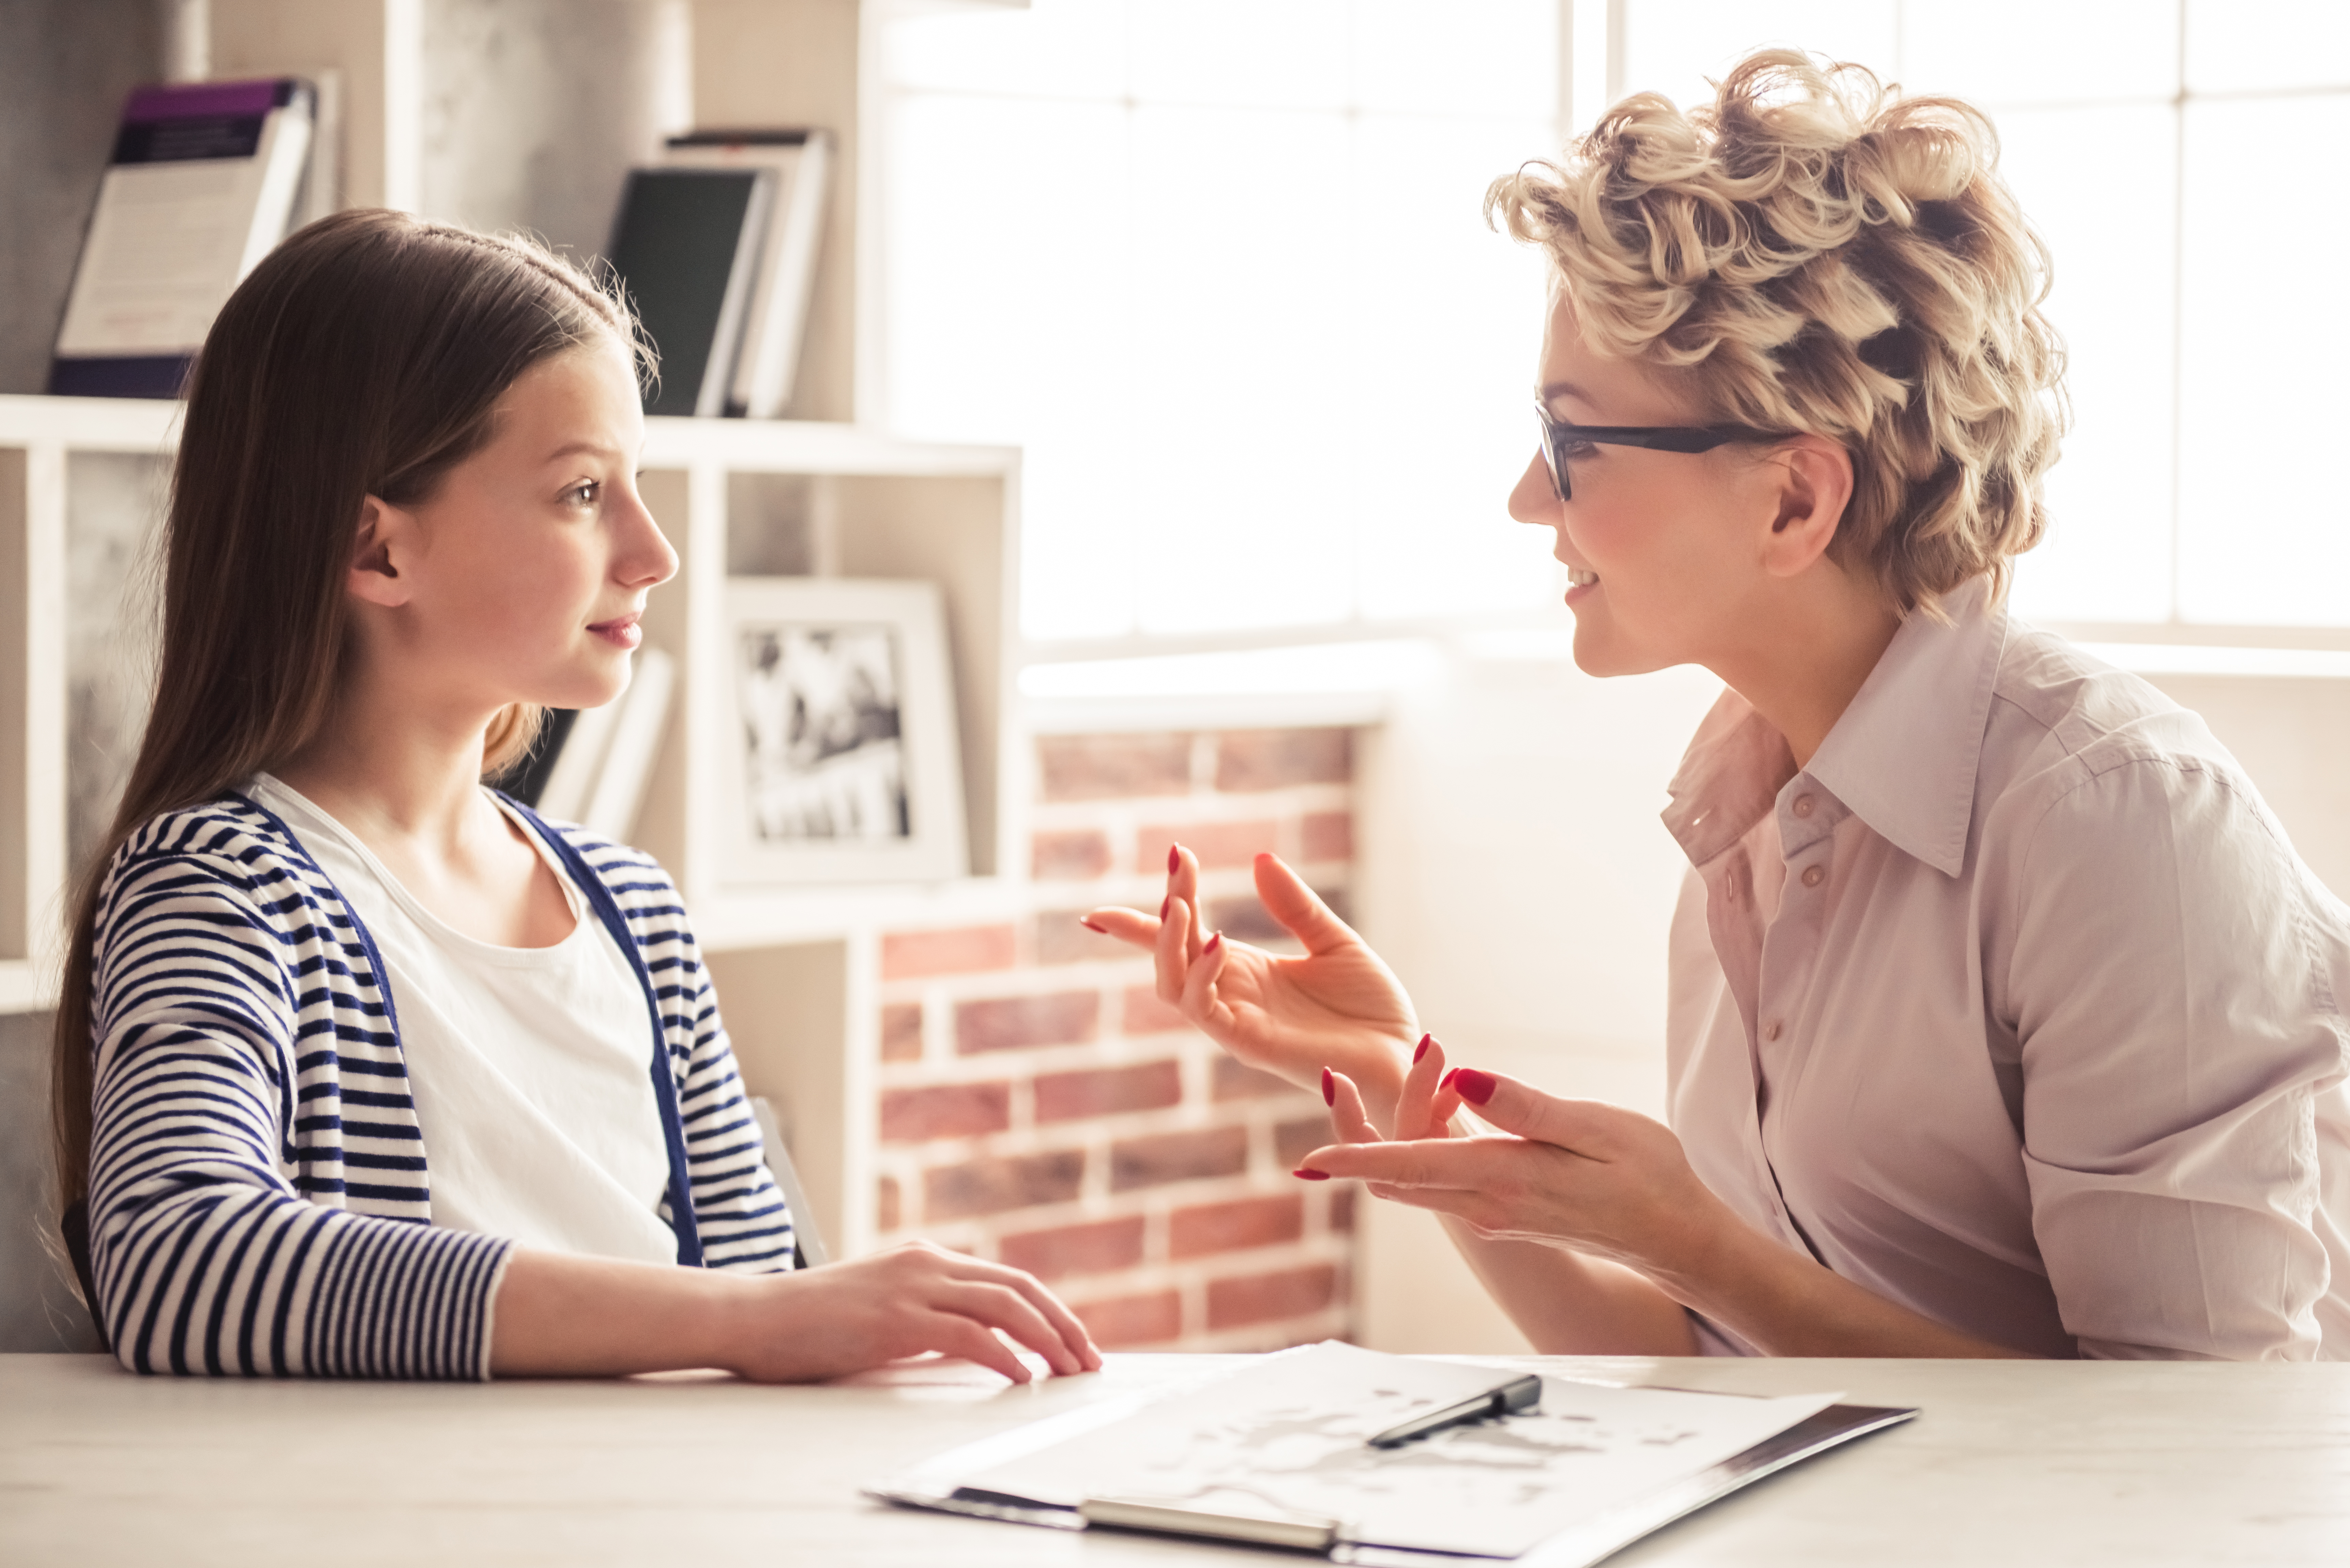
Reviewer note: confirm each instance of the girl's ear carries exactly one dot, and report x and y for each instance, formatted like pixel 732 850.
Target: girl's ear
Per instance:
pixel 386 535
pixel 1814 487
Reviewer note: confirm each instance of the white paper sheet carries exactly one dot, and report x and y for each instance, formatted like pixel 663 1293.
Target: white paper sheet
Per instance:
pixel 1292 1433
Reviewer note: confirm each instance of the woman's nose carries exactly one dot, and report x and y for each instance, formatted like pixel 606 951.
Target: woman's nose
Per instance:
pixel 1534 499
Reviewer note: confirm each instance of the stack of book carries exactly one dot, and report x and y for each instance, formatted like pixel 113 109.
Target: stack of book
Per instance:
pixel 202 186
pixel 716 247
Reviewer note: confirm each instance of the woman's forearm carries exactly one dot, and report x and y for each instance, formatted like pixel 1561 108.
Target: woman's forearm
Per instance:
pixel 559 1315
pixel 1569 1305
pixel 1785 1303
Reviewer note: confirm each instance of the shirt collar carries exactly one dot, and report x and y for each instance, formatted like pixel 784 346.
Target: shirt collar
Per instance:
pixel 1902 757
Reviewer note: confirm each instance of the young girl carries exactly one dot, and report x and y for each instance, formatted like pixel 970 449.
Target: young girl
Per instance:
pixel 364 1069
pixel 2003 1019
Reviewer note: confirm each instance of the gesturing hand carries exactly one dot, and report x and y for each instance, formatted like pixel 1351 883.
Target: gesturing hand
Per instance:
pixel 1602 1180
pixel 1338 1005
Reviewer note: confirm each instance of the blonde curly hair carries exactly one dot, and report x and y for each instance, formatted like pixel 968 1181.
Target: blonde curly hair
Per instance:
pixel 1813 252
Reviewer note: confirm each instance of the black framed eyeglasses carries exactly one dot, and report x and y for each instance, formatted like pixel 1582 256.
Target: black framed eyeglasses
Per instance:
pixel 1557 436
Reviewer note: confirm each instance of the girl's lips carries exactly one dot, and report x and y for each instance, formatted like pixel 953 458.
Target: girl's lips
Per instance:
pixel 622 632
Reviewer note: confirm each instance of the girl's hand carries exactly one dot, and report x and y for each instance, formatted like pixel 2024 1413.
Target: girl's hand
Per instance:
pixel 1336 1006
pixel 1424 1109
pixel 1579 1174
pixel 845 1317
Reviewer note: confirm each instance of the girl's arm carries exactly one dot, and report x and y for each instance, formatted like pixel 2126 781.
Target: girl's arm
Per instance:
pixel 558 1315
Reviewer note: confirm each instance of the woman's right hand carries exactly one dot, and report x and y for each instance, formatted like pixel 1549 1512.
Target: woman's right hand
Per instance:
pixel 1336 1006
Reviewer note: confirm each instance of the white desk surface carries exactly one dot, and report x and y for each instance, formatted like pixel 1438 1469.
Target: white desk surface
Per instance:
pixel 2011 1464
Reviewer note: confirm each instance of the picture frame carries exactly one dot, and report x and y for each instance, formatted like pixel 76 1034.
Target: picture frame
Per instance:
pixel 842 758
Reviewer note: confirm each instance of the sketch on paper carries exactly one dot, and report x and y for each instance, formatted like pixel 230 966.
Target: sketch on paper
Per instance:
pixel 824 749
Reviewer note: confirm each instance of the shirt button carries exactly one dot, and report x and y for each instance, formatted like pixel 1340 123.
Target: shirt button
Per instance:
pixel 1803 806
pixel 1770 1029
pixel 1812 875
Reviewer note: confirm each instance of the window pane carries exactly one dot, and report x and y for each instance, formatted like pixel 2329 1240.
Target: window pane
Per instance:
pixel 2011 51
pixel 1672 47
pixel 1290 53
pixel 2265 528
pixel 1442 337
pixel 1011 300
pixel 1463 57
pixel 2234 45
pixel 2107 554
pixel 1058 47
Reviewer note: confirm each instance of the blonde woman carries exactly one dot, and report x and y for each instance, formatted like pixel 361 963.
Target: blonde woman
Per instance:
pixel 2004 1017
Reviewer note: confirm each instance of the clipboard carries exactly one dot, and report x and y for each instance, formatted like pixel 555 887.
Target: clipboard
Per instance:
pixel 1234 1512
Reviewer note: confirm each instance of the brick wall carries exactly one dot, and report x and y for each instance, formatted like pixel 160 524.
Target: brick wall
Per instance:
pixel 1040 1104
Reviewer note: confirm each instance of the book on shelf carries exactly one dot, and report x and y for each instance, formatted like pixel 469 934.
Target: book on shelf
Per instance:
pixel 590 765
pixel 202 186
pixel 686 247
pixel 776 325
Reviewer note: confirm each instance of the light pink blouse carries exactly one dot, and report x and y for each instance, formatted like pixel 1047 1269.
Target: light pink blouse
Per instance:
pixel 2017 1007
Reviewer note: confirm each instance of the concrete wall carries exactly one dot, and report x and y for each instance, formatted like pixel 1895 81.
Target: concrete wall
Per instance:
pixel 65 68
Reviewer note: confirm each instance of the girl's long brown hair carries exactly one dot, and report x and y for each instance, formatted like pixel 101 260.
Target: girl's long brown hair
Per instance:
pixel 363 357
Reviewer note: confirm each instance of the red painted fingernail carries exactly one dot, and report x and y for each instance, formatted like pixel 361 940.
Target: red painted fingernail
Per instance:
pixel 1306 1173
pixel 1417 1054
pixel 1211 944
pixel 1174 858
pixel 1166 904
pixel 1475 1087
pixel 1329 1088
pixel 1446 1081
pixel 1090 926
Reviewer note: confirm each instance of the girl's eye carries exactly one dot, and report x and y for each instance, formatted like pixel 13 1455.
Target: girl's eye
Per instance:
pixel 1572 450
pixel 583 493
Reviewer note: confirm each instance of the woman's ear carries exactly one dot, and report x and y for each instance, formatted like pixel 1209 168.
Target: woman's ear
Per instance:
pixel 386 535
pixel 1815 488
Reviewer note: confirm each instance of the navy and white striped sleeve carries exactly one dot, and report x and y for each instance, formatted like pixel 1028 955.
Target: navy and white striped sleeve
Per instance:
pixel 220 1005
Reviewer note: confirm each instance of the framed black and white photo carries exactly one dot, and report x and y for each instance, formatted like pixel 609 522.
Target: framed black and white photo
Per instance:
pixel 843 763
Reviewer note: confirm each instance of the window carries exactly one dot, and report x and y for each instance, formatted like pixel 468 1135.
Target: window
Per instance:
pixel 1222 267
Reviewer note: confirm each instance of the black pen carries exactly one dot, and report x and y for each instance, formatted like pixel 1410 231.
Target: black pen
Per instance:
pixel 1518 1393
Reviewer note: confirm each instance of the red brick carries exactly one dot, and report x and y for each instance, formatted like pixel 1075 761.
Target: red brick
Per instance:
pixel 1011 1022
pixel 886 1208
pixel 1252 760
pixel 1215 844
pixel 901 1032
pixel 1234 1081
pixel 993 1185
pixel 910 955
pixel 1106 1091
pixel 1144 1013
pixel 1118 1323
pixel 1061 939
pixel 1075 1249
pixel 1342 1207
pixel 945 1110
pixel 1230 1226
pixel 1268 1298
pixel 1329 836
pixel 1105 767
pixel 1292 1141
pixel 1177 1156
pixel 1074 857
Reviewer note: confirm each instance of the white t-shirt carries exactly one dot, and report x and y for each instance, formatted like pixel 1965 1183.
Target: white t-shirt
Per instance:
pixel 530 1067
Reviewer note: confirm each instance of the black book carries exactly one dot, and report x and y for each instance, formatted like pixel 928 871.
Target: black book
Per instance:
pixel 686 247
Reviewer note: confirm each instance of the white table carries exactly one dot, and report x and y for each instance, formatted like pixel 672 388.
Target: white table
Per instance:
pixel 2011 1464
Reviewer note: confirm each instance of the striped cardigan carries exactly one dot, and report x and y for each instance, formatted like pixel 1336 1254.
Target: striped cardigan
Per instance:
pixel 260 1200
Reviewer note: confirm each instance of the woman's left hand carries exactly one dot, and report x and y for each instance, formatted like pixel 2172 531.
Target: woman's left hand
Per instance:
pixel 1582 1174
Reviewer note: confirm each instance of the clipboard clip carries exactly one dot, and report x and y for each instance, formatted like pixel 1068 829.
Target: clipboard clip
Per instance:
pixel 1226 1513
pixel 1518 1393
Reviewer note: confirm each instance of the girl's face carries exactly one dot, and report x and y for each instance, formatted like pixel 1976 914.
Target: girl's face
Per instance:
pixel 1666 549
pixel 522 579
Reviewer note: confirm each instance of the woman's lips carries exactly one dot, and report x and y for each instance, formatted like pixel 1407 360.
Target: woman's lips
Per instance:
pixel 620 632
pixel 1580 584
